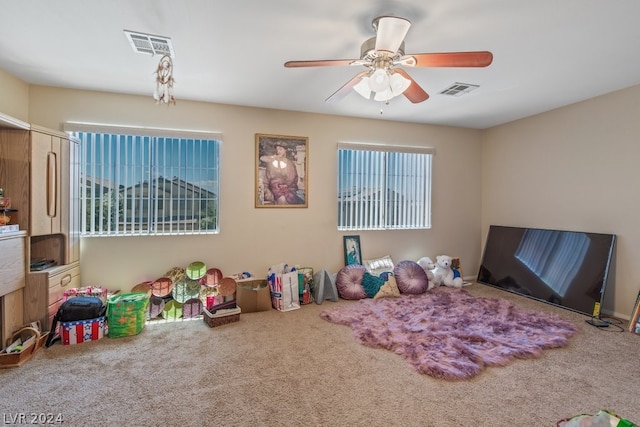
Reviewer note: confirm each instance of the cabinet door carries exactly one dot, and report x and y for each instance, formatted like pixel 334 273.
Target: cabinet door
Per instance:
pixel 74 204
pixel 45 184
pixel 70 198
pixel 14 172
pixel 55 205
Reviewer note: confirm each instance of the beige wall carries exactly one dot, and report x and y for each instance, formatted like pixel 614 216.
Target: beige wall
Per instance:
pixel 571 168
pixel 251 239
pixel 14 98
pixel 574 168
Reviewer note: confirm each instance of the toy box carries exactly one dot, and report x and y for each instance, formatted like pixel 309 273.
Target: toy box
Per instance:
pixel 80 331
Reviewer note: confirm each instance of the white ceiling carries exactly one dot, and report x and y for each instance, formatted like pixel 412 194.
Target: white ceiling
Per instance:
pixel 547 53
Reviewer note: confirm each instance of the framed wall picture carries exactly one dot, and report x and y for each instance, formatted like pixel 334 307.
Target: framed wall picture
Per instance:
pixel 282 171
pixel 352 251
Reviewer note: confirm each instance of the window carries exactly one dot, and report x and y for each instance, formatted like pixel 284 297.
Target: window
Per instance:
pixel 383 187
pixel 148 184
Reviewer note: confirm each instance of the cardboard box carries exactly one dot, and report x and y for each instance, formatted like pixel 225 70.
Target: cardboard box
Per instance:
pixel 253 295
pixel 81 331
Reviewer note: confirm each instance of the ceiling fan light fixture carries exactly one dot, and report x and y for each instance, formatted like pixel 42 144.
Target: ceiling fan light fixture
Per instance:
pixel 398 83
pixel 362 87
pixel 382 84
pixel 384 95
pixel 379 80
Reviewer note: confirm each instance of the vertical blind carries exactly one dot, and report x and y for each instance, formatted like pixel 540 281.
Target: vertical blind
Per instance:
pixel 383 188
pixel 143 185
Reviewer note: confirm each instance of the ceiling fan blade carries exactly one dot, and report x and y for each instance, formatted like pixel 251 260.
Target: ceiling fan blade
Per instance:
pixel 344 90
pixel 414 92
pixel 450 59
pixel 390 32
pixel 320 63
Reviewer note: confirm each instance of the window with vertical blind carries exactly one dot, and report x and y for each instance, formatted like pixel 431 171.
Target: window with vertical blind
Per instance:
pixel 144 183
pixel 383 187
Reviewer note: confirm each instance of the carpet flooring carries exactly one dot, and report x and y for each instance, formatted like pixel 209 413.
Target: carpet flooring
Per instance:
pixel 295 369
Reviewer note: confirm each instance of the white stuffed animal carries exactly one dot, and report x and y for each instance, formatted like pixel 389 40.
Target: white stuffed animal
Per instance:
pixel 443 274
pixel 427 265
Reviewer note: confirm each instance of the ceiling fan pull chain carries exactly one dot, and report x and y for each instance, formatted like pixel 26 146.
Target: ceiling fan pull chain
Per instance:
pixel 382 107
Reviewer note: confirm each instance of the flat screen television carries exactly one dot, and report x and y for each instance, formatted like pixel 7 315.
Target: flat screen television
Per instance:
pixel 569 269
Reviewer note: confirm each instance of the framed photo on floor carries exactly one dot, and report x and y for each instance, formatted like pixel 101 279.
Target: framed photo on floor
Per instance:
pixel 281 171
pixel 352 251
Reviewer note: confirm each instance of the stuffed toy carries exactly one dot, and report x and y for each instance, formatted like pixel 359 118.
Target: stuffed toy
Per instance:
pixel 443 274
pixel 427 265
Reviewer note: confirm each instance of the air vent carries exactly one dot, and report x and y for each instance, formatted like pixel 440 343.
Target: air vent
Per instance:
pixel 458 89
pixel 150 44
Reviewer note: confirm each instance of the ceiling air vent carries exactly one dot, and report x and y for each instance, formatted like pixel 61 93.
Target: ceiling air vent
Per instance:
pixel 458 89
pixel 149 44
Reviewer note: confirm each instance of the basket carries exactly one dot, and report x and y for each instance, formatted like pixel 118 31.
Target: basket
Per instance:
pixel 221 317
pixel 32 340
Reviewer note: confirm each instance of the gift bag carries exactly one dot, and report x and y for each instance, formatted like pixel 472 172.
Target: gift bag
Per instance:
pixel 305 285
pixel 126 314
pixel 283 285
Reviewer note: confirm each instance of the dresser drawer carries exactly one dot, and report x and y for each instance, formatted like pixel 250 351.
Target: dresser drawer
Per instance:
pixel 63 281
pixel 44 291
pixel 12 263
pixel 58 284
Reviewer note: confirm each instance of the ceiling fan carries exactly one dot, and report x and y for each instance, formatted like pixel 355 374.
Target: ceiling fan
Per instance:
pixel 383 56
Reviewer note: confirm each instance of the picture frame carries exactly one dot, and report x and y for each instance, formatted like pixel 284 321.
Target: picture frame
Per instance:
pixel 282 171
pixel 352 250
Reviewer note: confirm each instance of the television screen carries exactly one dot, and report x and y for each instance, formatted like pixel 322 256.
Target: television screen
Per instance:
pixel 565 268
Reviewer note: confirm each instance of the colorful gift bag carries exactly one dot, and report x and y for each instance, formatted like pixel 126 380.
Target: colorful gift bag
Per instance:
pixel 305 285
pixel 284 291
pixel 127 314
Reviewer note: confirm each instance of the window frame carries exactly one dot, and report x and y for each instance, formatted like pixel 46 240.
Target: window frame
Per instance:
pixel 157 138
pixel 359 224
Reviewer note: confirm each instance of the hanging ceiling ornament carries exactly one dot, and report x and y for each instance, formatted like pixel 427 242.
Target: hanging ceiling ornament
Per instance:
pixel 164 81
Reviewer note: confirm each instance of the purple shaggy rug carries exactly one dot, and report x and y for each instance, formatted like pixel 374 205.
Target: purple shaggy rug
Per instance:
pixel 449 333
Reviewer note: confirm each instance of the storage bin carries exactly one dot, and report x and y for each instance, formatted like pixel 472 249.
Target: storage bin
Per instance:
pixel 221 317
pixel 80 331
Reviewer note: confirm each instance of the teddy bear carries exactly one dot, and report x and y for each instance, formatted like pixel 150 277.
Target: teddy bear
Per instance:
pixel 427 265
pixel 443 273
